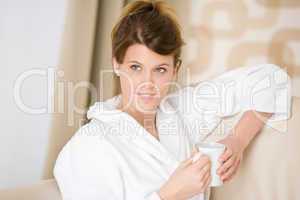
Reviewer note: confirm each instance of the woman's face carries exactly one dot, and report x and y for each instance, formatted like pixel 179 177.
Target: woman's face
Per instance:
pixel 145 77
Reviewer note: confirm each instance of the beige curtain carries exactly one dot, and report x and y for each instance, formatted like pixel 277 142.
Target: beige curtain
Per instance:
pixel 85 53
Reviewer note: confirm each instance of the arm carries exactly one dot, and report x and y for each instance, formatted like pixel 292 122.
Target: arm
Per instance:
pixel 263 88
pixel 84 170
pixel 261 93
pixel 249 126
pixel 265 94
pixel 237 141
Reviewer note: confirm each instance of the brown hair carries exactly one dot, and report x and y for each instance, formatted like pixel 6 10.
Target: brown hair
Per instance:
pixel 151 23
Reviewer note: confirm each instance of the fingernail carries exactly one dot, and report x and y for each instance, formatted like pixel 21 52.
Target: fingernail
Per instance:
pixel 206 168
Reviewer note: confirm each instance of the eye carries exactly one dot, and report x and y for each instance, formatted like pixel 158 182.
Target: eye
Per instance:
pixel 161 70
pixel 135 67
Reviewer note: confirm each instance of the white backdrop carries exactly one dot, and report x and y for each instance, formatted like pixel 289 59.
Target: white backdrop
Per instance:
pixel 30 34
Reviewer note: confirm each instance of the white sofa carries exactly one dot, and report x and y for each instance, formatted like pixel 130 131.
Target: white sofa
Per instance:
pixel 269 171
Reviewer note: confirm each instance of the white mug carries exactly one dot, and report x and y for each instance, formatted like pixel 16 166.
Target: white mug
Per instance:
pixel 213 150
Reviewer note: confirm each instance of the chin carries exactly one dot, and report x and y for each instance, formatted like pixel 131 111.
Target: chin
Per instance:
pixel 147 107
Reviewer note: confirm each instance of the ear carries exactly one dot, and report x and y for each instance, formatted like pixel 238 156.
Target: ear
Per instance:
pixel 175 73
pixel 175 76
pixel 116 65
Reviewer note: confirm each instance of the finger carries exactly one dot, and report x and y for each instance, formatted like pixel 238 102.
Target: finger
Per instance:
pixel 202 162
pixel 203 176
pixel 230 176
pixel 196 156
pixel 225 166
pixel 186 163
pixel 226 155
pixel 195 150
pixel 231 171
pixel 207 182
pixel 241 157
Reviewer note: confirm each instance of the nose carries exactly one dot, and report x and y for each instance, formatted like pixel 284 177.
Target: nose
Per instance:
pixel 148 76
pixel 147 82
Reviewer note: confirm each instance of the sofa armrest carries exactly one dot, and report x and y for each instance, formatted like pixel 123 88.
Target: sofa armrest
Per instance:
pixel 270 166
pixel 44 190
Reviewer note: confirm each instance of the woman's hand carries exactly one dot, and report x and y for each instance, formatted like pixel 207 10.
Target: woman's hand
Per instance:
pixel 189 179
pixel 245 130
pixel 231 158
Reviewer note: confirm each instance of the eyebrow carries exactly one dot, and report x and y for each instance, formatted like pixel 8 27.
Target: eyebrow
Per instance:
pixel 134 61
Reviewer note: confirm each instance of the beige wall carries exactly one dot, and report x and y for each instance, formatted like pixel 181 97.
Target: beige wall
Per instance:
pixel 223 35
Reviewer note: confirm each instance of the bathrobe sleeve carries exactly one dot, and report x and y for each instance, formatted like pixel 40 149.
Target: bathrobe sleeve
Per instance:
pixel 263 88
pixel 86 169
pixel 83 170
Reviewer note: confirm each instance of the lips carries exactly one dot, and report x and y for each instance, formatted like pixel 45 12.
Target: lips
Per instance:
pixel 146 94
pixel 148 97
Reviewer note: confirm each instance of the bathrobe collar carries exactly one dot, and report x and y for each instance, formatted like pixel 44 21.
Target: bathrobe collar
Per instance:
pixel 106 112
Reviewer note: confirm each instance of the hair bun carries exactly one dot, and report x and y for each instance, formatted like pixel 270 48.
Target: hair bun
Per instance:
pixel 152 23
pixel 150 7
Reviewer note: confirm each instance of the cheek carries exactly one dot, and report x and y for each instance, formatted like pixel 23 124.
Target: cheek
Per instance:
pixel 128 85
pixel 164 83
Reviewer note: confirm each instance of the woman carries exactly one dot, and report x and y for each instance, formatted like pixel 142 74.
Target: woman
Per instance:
pixel 139 144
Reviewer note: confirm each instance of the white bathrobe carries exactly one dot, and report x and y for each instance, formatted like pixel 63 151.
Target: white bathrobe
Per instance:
pixel 114 158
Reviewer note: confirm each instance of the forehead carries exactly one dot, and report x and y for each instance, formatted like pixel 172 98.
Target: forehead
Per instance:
pixel 144 55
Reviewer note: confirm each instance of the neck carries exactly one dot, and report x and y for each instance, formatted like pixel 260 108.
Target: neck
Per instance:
pixel 147 120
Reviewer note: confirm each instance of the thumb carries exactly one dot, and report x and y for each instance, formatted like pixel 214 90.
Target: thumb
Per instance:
pixel 194 151
pixel 186 163
pixel 196 154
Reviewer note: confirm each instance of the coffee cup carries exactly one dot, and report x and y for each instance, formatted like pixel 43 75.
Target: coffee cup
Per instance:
pixel 213 150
